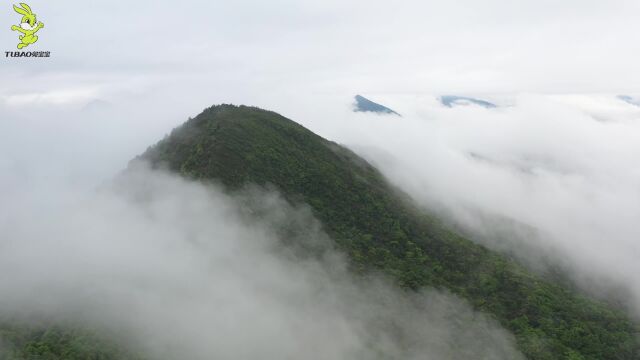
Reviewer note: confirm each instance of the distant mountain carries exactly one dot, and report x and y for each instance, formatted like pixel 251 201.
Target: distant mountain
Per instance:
pixel 363 104
pixel 454 100
pixel 97 105
pixel 630 100
pixel 528 164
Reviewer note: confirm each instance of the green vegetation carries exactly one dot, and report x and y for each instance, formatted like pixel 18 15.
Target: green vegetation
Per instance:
pixel 45 342
pixel 376 225
pixel 381 230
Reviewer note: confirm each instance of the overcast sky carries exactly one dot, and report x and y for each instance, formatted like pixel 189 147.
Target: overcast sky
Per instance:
pixel 214 51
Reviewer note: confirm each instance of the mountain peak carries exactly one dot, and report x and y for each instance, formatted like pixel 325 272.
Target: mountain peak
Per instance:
pixel 380 230
pixel 363 104
pixel 454 100
pixel 629 100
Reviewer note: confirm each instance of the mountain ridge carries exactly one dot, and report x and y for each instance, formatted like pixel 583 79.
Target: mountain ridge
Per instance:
pixel 237 145
pixel 376 225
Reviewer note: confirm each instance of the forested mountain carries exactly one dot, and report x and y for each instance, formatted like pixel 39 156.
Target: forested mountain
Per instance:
pixel 377 226
pixel 380 229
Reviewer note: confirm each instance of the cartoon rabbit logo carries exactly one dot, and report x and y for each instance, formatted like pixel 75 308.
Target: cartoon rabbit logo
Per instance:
pixel 29 26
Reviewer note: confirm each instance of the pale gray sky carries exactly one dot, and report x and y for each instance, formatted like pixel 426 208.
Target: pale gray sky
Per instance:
pixel 210 51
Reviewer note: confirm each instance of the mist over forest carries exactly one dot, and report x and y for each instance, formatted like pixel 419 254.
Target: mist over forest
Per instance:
pixel 335 180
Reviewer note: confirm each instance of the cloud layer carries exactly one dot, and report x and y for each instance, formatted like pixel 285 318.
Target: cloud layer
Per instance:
pixel 250 52
pixel 181 270
pixel 554 174
pixel 551 178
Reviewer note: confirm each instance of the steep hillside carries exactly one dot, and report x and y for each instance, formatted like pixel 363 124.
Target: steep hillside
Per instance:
pixel 381 230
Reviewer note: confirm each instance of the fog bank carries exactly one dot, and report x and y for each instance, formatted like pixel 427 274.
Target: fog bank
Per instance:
pixel 552 179
pixel 182 270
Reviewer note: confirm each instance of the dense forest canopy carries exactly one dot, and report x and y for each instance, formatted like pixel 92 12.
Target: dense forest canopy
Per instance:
pixel 375 224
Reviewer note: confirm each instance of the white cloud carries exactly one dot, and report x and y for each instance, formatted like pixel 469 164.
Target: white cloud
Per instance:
pixel 237 51
pixel 563 167
pixel 564 164
pixel 180 270
pixel 56 97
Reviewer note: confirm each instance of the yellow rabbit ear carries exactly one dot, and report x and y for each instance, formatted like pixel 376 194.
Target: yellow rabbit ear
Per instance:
pixel 20 10
pixel 26 7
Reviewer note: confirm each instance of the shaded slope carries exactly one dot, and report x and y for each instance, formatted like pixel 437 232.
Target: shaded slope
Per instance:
pixel 381 231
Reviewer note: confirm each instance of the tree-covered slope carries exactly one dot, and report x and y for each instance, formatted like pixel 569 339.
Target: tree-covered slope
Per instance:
pixel 25 341
pixel 381 230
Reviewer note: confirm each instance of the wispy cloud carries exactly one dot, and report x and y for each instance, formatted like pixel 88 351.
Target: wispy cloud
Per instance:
pixel 560 171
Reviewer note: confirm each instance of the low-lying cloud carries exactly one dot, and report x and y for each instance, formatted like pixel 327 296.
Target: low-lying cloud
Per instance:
pixel 552 179
pixel 179 269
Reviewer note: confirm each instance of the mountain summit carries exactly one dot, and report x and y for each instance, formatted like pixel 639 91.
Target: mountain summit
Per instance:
pixel 381 230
